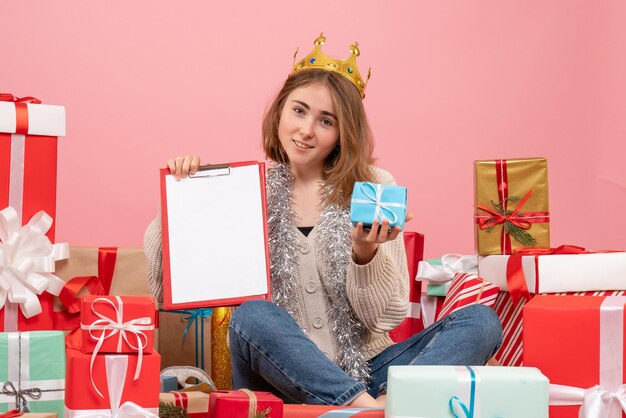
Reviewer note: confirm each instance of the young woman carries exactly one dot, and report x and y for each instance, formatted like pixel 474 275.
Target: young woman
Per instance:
pixel 337 290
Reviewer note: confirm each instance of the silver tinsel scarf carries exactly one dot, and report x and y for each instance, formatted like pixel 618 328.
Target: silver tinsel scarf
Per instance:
pixel 335 249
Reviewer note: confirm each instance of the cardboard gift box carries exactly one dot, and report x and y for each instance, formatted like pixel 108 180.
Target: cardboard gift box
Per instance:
pixel 192 402
pixel 28 155
pixel 578 342
pixel 117 324
pixel 186 338
pixel 326 411
pixel 238 403
pixel 114 382
pixel 412 324
pixel 444 391
pixel 97 271
pixel 31 362
pixel 511 200
pixel 122 271
pixel 560 272
pixel 371 202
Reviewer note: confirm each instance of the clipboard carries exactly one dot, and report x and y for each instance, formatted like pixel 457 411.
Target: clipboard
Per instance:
pixel 214 228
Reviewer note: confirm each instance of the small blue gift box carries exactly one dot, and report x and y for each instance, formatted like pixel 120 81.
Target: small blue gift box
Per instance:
pixel 168 384
pixel 372 202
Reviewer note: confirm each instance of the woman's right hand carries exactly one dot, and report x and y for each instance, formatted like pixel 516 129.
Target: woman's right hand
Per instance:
pixel 181 167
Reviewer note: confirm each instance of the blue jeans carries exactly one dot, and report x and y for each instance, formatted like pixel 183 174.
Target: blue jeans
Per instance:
pixel 269 352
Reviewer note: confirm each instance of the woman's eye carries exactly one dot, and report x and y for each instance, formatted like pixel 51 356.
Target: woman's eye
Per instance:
pixel 299 110
pixel 327 122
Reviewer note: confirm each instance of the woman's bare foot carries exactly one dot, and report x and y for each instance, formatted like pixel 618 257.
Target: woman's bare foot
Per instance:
pixel 364 400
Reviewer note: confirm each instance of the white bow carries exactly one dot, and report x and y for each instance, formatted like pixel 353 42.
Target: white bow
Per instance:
pixel 27 261
pixel 117 325
pixel 451 264
pixel 116 367
pixel 596 401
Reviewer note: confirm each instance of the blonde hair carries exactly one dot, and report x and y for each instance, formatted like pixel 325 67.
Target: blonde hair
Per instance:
pixel 350 161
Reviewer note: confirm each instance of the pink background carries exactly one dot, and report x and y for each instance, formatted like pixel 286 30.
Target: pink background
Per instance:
pixel 452 82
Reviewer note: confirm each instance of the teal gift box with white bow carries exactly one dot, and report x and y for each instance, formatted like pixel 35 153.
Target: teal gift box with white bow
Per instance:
pixel 371 202
pixel 466 392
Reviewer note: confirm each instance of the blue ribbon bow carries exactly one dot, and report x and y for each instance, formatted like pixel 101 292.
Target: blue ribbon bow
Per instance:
pixel 457 406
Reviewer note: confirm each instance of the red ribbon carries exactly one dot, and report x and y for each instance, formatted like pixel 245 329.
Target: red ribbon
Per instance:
pixel 12 413
pixel 21 110
pixel 515 279
pixel 95 285
pixel 520 219
pixel 182 399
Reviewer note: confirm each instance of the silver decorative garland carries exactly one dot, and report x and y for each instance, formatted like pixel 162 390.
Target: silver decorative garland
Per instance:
pixel 335 247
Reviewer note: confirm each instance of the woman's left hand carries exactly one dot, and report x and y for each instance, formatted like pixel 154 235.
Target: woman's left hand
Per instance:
pixel 365 241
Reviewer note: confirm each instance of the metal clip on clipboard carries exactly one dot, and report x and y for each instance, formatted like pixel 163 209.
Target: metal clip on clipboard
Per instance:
pixel 212 170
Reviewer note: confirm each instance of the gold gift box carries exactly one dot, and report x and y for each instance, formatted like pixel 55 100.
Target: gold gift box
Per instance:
pixel 495 180
pixel 39 415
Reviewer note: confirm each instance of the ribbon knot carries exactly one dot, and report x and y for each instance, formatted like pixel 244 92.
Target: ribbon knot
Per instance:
pixel 374 194
pixel 20 395
pixel 109 327
pixel 8 97
pixel 515 217
pixel 27 262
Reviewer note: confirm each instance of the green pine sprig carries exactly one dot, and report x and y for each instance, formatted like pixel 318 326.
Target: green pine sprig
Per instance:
pixel 263 414
pixel 169 410
pixel 518 234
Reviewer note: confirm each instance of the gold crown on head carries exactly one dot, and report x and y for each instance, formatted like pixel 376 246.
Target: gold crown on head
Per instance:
pixel 347 67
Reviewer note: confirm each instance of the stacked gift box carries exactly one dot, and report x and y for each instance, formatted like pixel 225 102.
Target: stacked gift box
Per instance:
pixel 577 342
pixel 111 363
pixel 32 369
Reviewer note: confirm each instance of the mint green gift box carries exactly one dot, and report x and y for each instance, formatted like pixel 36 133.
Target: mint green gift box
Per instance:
pixel 472 392
pixel 32 364
pixel 436 289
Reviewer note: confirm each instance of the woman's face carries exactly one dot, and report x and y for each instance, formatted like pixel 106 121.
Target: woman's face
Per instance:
pixel 308 129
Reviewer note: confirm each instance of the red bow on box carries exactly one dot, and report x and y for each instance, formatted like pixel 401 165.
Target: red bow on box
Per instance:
pixel 11 414
pixel 96 285
pixel 21 110
pixel 516 281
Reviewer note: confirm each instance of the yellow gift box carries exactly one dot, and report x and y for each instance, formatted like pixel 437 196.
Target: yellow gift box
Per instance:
pixel 511 203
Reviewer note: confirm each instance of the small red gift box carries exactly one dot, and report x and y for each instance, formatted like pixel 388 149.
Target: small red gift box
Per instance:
pixel 326 411
pixel 117 324
pixel 116 381
pixel 237 404
pixel 412 324
pixel 578 343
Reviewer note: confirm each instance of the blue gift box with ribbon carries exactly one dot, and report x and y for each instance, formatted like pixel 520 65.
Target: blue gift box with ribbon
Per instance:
pixel 466 392
pixel 371 202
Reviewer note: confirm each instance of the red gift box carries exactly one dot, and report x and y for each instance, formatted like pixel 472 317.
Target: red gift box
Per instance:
pixel 28 155
pixel 468 289
pixel 114 383
pixel 578 342
pixel 27 268
pixel 117 324
pixel 412 324
pixel 237 404
pixel 326 411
